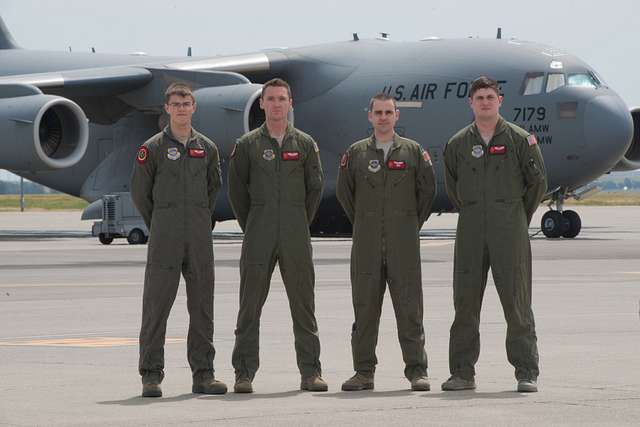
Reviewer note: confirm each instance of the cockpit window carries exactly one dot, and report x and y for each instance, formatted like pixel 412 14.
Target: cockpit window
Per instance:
pixel 533 83
pixel 555 81
pixel 582 80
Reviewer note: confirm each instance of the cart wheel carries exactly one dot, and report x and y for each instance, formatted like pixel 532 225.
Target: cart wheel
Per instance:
pixel 136 237
pixel 105 239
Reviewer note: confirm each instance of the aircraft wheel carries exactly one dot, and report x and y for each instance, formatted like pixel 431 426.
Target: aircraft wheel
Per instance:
pixel 136 237
pixel 104 239
pixel 575 224
pixel 553 224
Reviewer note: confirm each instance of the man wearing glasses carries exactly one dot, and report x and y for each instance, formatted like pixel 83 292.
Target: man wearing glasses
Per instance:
pixel 175 180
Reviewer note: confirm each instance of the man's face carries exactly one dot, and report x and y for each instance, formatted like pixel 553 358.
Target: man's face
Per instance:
pixel 485 104
pixel 383 116
pixel 180 109
pixel 276 103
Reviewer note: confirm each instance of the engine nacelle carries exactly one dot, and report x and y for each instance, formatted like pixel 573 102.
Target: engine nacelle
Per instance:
pixel 41 132
pixel 631 159
pixel 225 113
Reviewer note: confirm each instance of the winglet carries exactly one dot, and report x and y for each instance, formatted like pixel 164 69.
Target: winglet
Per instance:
pixel 6 39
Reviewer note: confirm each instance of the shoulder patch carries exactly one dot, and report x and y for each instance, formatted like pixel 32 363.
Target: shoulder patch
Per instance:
pixel 344 160
pixel 531 139
pixel 143 154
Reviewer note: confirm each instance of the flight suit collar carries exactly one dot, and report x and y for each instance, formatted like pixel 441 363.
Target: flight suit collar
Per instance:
pixel 372 143
pixel 501 126
pixel 264 130
pixel 192 142
pixel 169 134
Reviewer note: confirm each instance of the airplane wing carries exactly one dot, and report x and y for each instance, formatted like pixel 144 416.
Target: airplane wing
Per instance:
pixel 116 90
pixel 53 110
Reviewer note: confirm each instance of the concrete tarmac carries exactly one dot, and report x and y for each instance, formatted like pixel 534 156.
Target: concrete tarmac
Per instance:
pixel 70 311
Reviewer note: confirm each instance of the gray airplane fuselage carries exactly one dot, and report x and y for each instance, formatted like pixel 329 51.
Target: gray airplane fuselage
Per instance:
pixel 583 130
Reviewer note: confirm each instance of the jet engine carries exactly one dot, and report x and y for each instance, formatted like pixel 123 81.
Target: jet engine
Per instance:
pixel 225 113
pixel 41 132
pixel 631 159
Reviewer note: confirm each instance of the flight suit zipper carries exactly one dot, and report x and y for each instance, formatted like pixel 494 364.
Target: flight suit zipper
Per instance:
pixel 386 194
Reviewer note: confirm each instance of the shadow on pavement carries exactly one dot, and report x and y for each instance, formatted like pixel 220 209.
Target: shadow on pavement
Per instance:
pixel 366 394
pixel 139 401
pixel 471 394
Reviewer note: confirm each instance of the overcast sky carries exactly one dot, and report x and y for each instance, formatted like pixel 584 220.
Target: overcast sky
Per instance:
pixel 604 34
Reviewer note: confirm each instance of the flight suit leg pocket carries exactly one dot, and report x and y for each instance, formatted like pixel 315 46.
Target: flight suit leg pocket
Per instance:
pixel 413 288
pixel 362 290
pixel 461 284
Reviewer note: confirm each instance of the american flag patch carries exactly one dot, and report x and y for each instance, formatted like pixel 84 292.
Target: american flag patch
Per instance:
pixel 344 160
pixel 531 139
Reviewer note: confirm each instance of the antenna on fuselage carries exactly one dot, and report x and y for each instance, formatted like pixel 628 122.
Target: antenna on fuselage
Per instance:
pixel 189 51
pixel 499 35
pixel 93 50
pixel 355 37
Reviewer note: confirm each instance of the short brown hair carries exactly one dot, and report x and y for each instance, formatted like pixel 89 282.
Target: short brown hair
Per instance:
pixel 382 97
pixel 484 82
pixel 277 82
pixel 180 89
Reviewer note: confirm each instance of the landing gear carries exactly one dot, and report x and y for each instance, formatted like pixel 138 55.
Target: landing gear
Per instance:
pixel 575 224
pixel 554 224
pixel 558 223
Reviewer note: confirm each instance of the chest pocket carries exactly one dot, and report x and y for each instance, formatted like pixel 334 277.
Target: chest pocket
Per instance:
pixel 168 179
pixel 265 158
pixel 370 169
pixel 399 169
pixel 292 162
pixel 469 173
pixel 504 174
pixel 198 180
pixel 197 165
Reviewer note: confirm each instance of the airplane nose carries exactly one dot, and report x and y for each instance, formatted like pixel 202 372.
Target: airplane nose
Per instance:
pixel 608 127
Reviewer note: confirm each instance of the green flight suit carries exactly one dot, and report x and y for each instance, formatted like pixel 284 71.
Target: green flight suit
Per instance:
pixel 275 192
pixel 496 188
pixel 387 202
pixel 174 187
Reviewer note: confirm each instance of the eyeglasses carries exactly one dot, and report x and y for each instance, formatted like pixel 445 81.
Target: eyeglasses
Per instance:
pixel 177 105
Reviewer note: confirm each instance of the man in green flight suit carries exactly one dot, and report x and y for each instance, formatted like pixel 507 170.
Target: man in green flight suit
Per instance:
pixel 175 182
pixel 495 177
pixel 275 186
pixel 386 185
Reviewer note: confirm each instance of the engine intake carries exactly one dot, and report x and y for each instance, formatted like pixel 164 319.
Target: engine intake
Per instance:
pixel 225 113
pixel 631 158
pixel 41 132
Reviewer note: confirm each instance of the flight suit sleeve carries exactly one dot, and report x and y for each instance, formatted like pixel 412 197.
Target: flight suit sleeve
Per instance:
pixel 214 178
pixel 142 180
pixel 238 181
pixel 533 169
pixel 346 185
pixel 314 181
pixel 451 175
pixel 425 186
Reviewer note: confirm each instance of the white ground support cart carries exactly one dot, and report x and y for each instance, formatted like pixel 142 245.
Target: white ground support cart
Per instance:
pixel 120 219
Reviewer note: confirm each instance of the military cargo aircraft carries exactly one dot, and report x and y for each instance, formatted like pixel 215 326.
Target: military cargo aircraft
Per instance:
pixel 74 121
